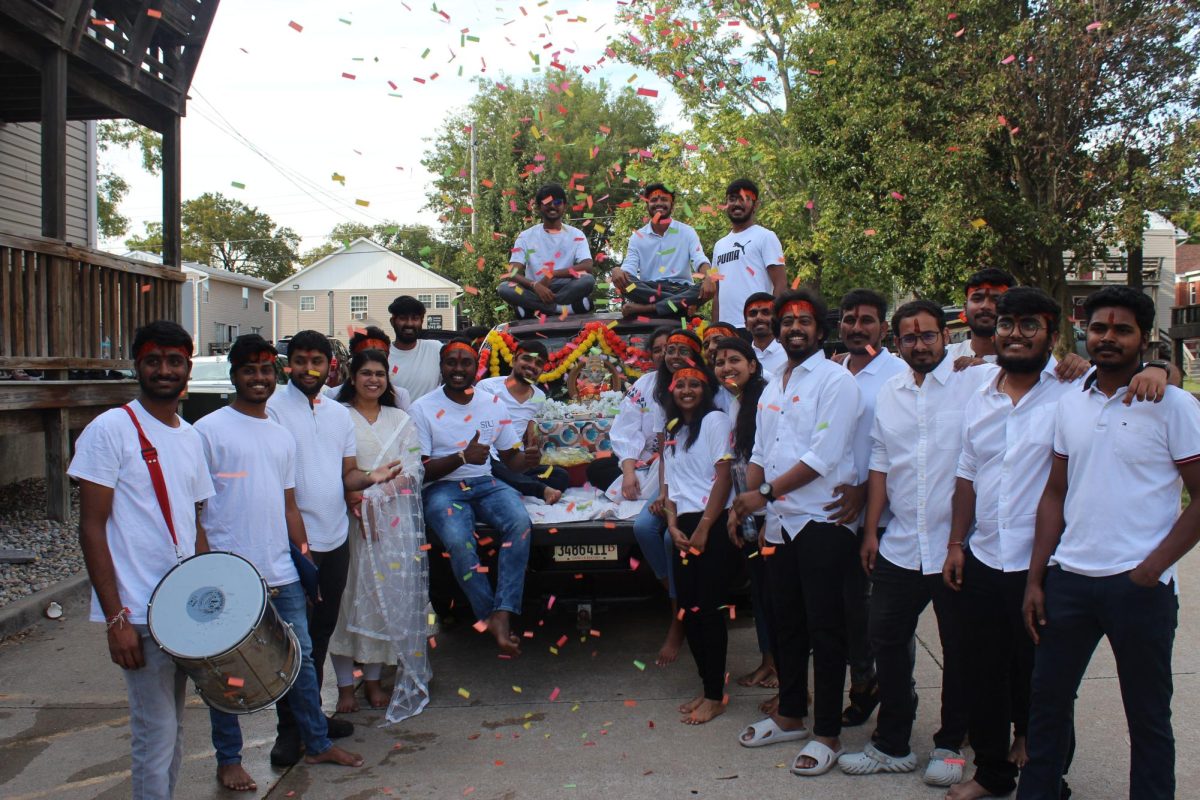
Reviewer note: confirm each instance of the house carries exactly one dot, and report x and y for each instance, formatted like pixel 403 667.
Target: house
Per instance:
pixel 21 180
pixel 217 305
pixel 1187 275
pixel 353 287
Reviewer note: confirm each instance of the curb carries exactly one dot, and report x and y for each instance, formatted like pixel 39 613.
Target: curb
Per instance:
pixel 27 611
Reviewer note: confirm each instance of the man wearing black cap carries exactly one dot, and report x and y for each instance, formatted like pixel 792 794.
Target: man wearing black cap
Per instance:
pixel 550 269
pixel 662 257
pixel 413 360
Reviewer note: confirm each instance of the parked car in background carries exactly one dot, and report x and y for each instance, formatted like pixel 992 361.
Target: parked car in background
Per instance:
pixel 209 387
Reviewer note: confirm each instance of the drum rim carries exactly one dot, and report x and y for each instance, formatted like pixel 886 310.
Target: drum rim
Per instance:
pixel 257 621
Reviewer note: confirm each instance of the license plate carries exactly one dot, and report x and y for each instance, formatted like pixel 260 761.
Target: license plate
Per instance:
pixel 585 552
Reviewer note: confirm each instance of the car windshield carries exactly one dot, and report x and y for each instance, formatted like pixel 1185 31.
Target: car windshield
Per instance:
pixel 210 371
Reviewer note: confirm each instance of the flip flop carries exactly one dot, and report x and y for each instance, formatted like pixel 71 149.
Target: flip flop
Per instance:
pixel 765 732
pixel 822 754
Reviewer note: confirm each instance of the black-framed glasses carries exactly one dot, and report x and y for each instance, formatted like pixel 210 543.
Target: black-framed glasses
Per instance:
pixel 926 338
pixel 1028 326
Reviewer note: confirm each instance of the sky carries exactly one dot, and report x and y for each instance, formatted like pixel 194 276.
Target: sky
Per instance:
pixel 272 116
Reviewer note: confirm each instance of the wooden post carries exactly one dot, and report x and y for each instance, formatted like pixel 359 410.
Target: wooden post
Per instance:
pixel 172 196
pixel 54 144
pixel 57 433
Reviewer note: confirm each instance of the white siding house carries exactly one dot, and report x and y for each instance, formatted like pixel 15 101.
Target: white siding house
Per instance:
pixel 353 287
pixel 21 180
pixel 217 306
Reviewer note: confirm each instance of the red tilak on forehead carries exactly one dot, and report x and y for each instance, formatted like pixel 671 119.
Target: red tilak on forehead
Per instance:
pixel 149 346
pixel 797 307
pixel 917 323
pixel 991 287
pixel 460 346
pixel 1112 317
pixel 767 304
pixel 371 344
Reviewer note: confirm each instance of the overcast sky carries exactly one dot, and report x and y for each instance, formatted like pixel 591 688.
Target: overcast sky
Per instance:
pixel 283 90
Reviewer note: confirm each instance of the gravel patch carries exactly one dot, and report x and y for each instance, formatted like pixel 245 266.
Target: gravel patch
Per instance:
pixel 23 525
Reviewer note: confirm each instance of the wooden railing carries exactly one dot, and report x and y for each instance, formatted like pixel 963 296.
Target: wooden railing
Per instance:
pixel 64 307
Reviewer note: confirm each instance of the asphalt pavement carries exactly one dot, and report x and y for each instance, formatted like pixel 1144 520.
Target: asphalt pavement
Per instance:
pixel 596 720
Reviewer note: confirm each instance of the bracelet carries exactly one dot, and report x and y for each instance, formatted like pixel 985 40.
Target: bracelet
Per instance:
pixel 953 544
pixel 463 455
pixel 119 619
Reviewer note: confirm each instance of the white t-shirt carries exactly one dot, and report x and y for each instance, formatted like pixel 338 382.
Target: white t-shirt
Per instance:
pixel 742 258
pixel 634 431
pixel 324 435
pixel 417 371
pixel 689 473
pixel 543 252
pixel 674 256
pixel 520 413
pixel 107 453
pixel 252 462
pixel 445 427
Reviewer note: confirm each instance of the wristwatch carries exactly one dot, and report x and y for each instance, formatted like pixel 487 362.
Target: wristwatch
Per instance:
pixel 1165 366
pixel 767 491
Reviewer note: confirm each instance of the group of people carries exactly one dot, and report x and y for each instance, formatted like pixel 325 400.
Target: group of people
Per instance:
pixel 986 478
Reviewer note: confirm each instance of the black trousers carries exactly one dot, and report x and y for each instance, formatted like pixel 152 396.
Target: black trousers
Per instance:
pixel 531 483
pixel 806 576
pixel 702 586
pixel 322 618
pixel 898 596
pixel 603 471
pixel 1140 625
pixel 858 598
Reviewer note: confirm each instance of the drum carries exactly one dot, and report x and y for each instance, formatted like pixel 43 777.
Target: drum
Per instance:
pixel 212 614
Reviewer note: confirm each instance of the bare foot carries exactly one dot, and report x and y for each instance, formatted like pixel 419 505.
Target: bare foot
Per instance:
pixel 705 711
pixel 753 678
pixel 233 777
pixel 967 790
pixel 346 702
pixel 670 649
pixel 769 706
pixel 771 681
pixel 498 624
pixel 690 705
pixel 551 495
pixel 376 696
pixel 336 755
pixel 1017 754
pixel 808 762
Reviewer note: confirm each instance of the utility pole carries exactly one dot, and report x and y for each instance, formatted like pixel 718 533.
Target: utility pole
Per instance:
pixel 474 187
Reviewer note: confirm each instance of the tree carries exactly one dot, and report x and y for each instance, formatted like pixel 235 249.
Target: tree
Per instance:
pixel 111 188
pixel 415 242
pixel 218 231
pixel 558 129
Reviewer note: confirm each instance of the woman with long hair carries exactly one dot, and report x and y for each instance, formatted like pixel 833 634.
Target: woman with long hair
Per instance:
pixel 695 498
pixel 739 372
pixel 383 611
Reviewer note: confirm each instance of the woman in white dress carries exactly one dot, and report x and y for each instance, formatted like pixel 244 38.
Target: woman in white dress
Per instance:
pixel 382 620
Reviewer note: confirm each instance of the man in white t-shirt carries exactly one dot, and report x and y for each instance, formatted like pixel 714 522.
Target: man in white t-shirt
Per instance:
pixel 1108 535
pixel 252 462
pixel 663 255
pixel 128 546
pixel 748 260
pixel 522 401
pixel 457 428
pixel 413 360
pixel 326 468
pixel 758 313
pixel 550 269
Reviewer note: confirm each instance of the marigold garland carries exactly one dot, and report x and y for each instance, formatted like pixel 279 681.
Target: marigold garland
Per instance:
pixel 499 346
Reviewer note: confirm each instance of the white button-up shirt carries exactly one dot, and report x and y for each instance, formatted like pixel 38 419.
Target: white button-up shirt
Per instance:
pixel 963 348
pixel 811 418
pixel 870 380
pixel 772 357
pixel 1123 484
pixel 674 256
pixel 917 436
pixel 639 420
pixel 1006 453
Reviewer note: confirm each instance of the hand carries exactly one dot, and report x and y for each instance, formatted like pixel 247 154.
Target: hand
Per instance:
pixel 734 530
pixel 849 503
pixel 708 289
pixel 631 489
pixel 747 503
pixel 551 495
pixel 699 539
pixel 1033 609
pixel 656 507
pixel 476 453
pixel 1144 576
pixel 952 570
pixel 868 551
pixel 386 472
pixel 532 456
pixel 678 538
pixel 1071 367
pixel 1149 384
pixel 619 278
pixel 962 362
pixel 125 646
pixel 543 291
pixel 354 503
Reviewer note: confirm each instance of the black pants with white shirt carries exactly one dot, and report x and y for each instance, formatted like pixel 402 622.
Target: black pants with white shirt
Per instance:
pixel 807 582
pixel 898 596
pixel 702 584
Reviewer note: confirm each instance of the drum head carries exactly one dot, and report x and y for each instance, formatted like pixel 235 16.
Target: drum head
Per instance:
pixel 206 605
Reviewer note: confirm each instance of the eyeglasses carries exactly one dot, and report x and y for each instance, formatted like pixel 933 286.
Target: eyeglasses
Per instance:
pixel 910 339
pixel 1028 326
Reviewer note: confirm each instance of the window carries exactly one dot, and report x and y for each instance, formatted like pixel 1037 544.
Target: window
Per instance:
pixel 433 322
pixel 256 328
pixel 308 303
pixel 245 297
pixel 443 301
pixel 425 299
pixel 220 333
pixel 266 307
pixel 1192 293
pixel 206 291
pixel 358 304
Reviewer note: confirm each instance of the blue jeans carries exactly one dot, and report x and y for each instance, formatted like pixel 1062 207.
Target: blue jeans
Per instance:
pixel 1140 626
pixel 451 508
pixel 304 697
pixel 156 694
pixel 650 531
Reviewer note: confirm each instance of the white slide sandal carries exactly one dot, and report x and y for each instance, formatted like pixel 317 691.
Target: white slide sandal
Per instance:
pixel 766 731
pixel 822 754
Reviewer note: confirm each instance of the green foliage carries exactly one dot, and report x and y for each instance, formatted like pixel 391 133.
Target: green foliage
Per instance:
pixel 219 231
pixel 560 129
pixel 417 243
pixel 111 188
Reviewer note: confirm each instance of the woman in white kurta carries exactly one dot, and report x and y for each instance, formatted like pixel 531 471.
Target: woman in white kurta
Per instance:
pixel 383 615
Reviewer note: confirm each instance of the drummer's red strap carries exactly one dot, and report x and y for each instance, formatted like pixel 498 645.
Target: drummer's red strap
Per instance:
pixel 150 456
